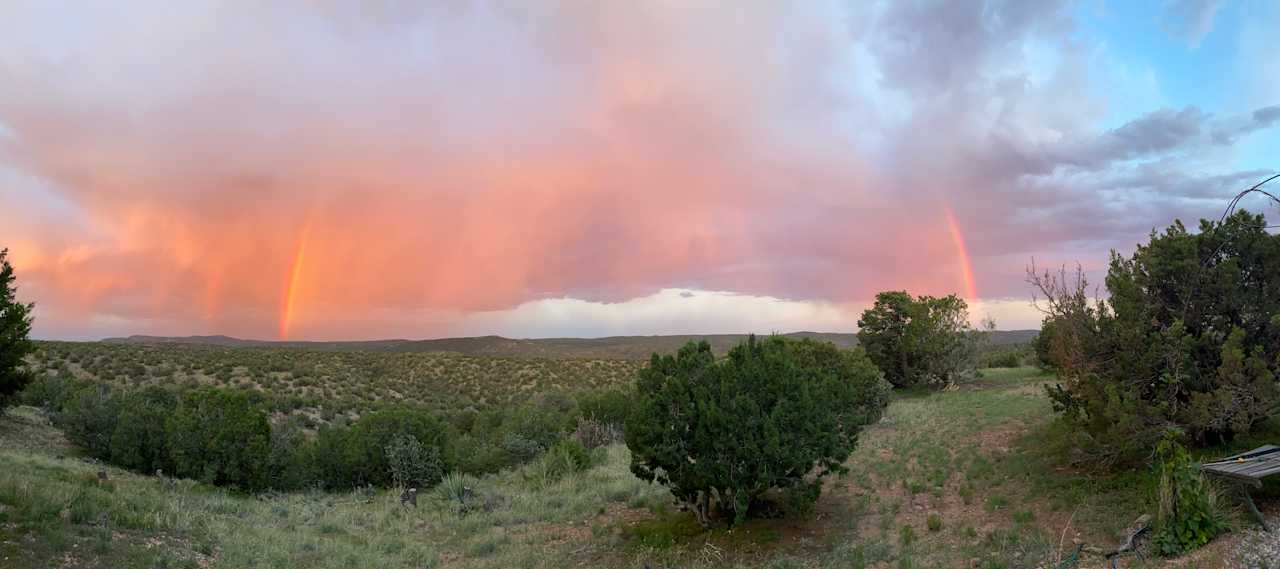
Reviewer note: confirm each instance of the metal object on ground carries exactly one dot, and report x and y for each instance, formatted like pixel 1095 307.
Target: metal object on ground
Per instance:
pixel 1247 470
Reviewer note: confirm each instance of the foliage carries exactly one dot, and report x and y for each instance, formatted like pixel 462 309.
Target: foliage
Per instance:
pixel 325 384
pixel 568 456
pixel 15 326
pixel 325 461
pixel 1008 356
pixel 1189 512
pixel 771 414
pixel 138 441
pixel 368 460
pixel 49 392
pixel 219 437
pixel 1188 339
pixel 1044 344
pixel 458 490
pixel 594 434
pixel 609 407
pixel 288 459
pixel 89 418
pixel 562 459
pixel 924 341
pixel 411 463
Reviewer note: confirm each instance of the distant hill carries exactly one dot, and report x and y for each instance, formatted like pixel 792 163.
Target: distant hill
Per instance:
pixel 610 348
pixel 228 341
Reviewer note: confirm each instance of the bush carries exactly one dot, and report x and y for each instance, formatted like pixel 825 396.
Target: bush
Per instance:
pixel 609 407
pixel 89 417
pixel 1189 339
pixel 934 523
pixel 367 443
pixel 773 414
pixel 1006 356
pixel 563 458
pixel 476 455
pixel 288 466
pixel 413 464
pixel 15 326
pixel 594 434
pixel 325 461
pixel 50 392
pixel 923 341
pixel 138 442
pixel 1189 513
pixel 519 450
pixel 219 437
pixel 458 490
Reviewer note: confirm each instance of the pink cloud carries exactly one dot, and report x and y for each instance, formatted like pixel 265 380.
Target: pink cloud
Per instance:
pixel 449 161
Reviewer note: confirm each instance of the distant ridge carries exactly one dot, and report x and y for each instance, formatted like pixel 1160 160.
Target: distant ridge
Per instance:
pixel 228 341
pixel 611 348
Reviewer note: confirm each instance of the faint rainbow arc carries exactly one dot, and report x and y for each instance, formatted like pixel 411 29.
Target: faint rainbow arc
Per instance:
pixel 288 305
pixel 962 252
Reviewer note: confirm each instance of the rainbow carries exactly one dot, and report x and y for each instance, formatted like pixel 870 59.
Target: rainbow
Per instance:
pixel 288 304
pixel 962 252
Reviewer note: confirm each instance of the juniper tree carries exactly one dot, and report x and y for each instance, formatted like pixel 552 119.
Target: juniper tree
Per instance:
pixel 1188 340
pixel 773 414
pixel 919 341
pixel 15 326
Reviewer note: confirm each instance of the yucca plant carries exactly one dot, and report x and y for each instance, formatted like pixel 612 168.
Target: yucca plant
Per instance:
pixel 458 490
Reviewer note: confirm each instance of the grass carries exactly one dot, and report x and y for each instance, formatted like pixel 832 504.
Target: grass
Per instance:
pixel 55 510
pixel 945 480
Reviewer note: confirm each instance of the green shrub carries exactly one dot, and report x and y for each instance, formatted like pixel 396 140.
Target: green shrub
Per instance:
pixel 325 461
pixel 718 434
pixel 458 490
pixel 138 442
pixel 476 455
pixel 906 535
pixel 412 463
pixel 924 341
pixel 609 407
pixel 1189 512
pixel 89 417
pixel 219 437
pixel 518 449
pixel 934 522
pixel 1188 338
pixel 367 443
pixel 1006 356
pixel 50 392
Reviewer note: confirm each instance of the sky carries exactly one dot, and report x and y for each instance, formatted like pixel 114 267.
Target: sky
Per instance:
pixel 351 170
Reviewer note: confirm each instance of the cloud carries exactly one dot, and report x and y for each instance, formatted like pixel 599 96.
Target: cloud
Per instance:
pixel 668 311
pixel 1190 20
pixel 437 161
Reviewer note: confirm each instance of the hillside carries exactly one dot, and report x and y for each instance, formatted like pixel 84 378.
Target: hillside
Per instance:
pixel 932 485
pixel 324 382
pixel 608 348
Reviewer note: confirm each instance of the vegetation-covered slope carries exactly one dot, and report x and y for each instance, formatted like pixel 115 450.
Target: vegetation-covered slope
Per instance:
pixel 329 382
pixel 946 479
pixel 615 347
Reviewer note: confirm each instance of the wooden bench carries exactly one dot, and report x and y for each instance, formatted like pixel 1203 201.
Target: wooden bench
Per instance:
pixel 1247 470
